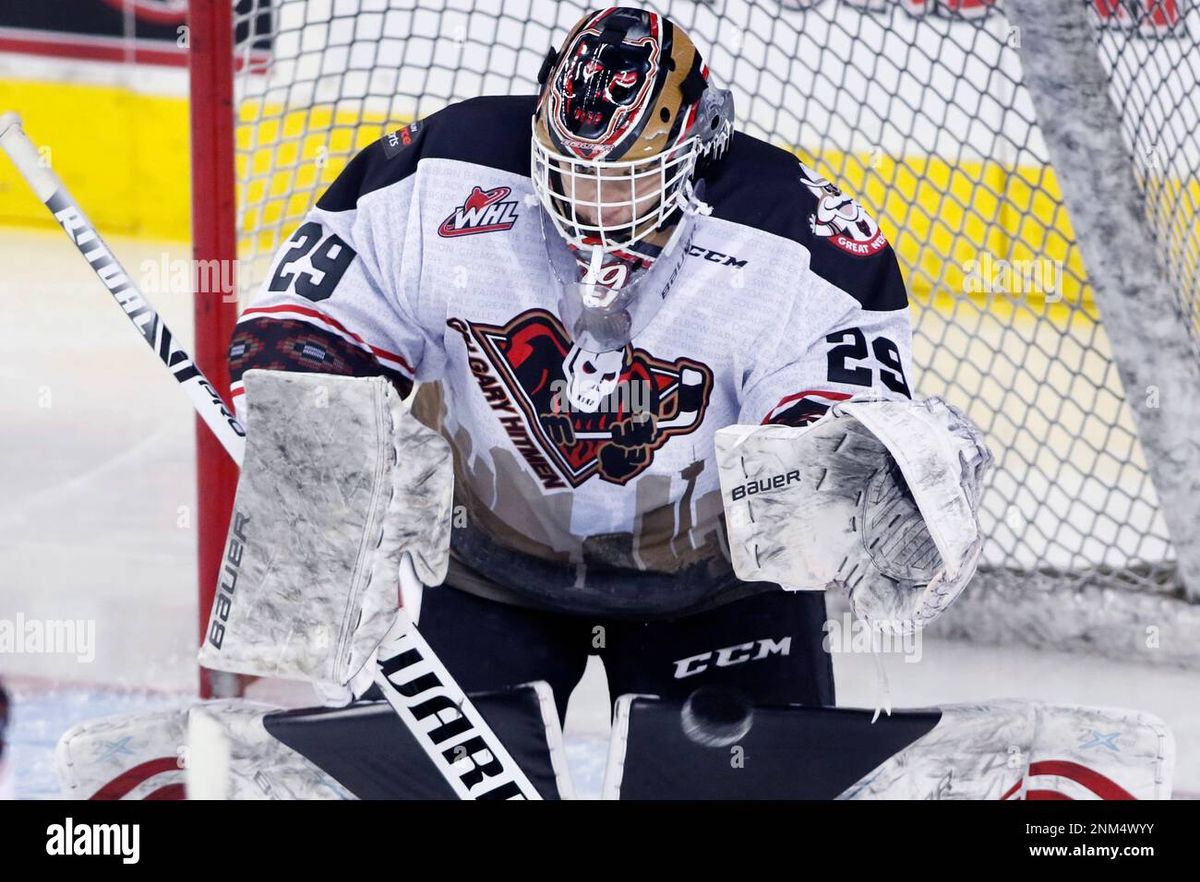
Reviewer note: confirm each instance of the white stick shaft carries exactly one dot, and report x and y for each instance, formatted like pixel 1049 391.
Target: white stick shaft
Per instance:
pixel 54 195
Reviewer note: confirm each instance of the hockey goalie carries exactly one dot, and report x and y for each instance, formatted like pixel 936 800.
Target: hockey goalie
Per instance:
pixel 665 368
pixel 584 287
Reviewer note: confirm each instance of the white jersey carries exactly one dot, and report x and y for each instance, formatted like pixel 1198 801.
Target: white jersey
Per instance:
pixel 425 261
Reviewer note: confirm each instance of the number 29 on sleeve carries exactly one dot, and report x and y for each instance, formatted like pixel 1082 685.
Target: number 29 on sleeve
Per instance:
pixel 328 257
pixel 850 361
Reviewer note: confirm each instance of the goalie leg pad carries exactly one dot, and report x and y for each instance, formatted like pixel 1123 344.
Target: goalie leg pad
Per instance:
pixel 1000 750
pixel 149 765
pixel 1013 749
pixel 232 755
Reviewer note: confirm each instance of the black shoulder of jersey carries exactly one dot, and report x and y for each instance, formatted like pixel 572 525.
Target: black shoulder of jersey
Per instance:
pixel 493 131
pixel 761 186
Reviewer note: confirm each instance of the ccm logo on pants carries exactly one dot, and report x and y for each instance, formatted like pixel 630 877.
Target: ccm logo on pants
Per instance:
pixel 755 650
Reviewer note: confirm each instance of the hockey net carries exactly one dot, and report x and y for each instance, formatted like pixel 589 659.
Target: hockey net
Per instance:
pixel 920 109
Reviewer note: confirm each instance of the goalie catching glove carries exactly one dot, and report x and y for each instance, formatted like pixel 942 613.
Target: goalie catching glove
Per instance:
pixel 879 498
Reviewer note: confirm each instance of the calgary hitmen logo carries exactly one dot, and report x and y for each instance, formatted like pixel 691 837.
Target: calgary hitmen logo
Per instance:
pixel 841 219
pixel 484 211
pixel 521 368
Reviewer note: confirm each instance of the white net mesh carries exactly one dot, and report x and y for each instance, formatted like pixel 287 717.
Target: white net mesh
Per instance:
pixel 923 116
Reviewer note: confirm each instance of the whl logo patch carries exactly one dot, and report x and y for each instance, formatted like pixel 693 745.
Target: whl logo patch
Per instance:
pixel 484 211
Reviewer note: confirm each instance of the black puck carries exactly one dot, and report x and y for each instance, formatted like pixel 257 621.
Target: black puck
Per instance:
pixel 715 716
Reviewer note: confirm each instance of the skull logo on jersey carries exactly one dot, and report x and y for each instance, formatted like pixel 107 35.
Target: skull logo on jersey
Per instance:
pixel 592 377
pixel 840 219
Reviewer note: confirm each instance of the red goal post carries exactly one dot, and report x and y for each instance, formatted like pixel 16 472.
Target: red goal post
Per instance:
pixel 214 238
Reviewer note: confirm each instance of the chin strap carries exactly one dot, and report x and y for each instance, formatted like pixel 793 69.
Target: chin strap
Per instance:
pixel 693 203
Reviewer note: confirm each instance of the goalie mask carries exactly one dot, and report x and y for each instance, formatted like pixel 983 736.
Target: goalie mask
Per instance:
pixel 625 114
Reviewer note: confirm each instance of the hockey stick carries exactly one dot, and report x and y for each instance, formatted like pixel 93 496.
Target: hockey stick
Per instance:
pixel 50 190
pixel 431 704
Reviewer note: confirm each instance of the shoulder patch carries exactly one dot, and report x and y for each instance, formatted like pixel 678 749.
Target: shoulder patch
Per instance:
pixel 395 142
pixel 840 219
pixel 768 188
